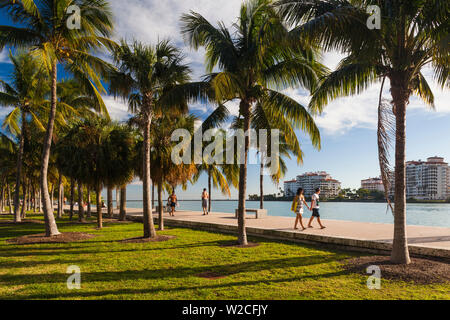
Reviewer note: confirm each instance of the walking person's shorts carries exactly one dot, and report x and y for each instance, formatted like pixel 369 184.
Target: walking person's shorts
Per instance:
pixel 316 213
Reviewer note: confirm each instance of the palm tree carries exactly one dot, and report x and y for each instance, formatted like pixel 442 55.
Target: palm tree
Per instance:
pixel 42 27
pixel 97 141
pixel 414 34
pixel 218 175
pixel 25 94
pixel 146 77
pixel 264 118
pixel 164 171
pixel 8 150
pixel 255 61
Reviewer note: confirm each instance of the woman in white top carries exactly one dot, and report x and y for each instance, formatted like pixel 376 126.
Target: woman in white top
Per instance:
pixel 297 207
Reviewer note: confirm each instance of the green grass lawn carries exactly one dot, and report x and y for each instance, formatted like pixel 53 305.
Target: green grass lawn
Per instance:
pixel 168 270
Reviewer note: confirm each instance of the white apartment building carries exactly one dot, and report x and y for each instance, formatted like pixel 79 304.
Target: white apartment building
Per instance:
pixel 290 188
pixel 428 180
pixel 372 184
pixel 310 181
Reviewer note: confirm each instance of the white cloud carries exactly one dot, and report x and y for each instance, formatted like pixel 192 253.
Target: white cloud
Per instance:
pixel 118 110
pixel 150 20
pixel 4 57
pixel 360 111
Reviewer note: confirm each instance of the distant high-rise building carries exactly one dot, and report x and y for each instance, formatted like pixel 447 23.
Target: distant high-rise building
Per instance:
pixel 372 184
pixel 310 181
pixel 427 180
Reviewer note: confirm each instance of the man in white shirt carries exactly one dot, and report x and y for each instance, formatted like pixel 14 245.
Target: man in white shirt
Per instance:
pixel 315 206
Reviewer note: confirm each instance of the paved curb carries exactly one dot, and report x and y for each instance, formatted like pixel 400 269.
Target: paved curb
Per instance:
pixel 349 244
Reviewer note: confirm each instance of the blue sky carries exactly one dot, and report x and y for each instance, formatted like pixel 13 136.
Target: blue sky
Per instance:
pixel 348 126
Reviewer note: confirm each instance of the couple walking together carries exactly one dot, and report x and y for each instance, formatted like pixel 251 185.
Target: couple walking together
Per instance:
pixel 297 207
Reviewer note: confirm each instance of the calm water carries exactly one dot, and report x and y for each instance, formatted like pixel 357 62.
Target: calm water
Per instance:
pixel 417 214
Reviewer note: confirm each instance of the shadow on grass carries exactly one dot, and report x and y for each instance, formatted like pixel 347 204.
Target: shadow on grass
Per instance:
pixel 27 264
pixel 44 251
pixel 229 285
pixel 177 272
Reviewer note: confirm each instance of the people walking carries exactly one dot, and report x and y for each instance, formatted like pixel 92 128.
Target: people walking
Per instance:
pixel 315 209
pixel 205 197
pixel 297 207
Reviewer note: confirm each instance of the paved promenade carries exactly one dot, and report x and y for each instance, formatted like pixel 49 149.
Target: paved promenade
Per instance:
pixel 376 237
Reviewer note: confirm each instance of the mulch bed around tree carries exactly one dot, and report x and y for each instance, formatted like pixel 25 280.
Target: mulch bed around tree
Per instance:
pixel 234 244
pixel 144 240
pixel 24 221
pixel 210 275
pixel 65 237
pixel 420 271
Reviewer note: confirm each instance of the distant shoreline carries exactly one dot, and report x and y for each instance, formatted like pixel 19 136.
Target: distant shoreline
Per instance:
pixel 349 201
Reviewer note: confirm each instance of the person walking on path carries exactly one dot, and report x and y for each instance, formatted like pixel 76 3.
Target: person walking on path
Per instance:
pixel 205 197
pixel 173 203
pixel 315 209
pixel 297 207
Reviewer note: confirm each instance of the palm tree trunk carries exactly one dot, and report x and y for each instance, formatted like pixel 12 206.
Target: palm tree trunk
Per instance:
pixel 400 252
pixel 60 197
pixel 153 194
pixel 9 199
pixel 99 208
pixel 39 200
pixel 72 196
pixel 17 215
pixel 261 186
pixel 80 203
pixel 209 190
pixel 160 205
pixel 33 203
pixel 24 204
pixel 109 197
pixel 52 195
pixel 242 233
pixel 51 229
pixel 123 204
pixel 2 197
pixel 89 211
pixel 117 199
pixel 149 227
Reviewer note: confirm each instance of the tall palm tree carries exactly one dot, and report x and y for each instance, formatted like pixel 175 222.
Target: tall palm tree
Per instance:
pixel 413 34
pixel 146 77
pixel 254 61
pixel 42 26
pixel 164 171
pixel 264 118
pixel 221 176
pixel 97 141
pixel 25 94
pixel 8 150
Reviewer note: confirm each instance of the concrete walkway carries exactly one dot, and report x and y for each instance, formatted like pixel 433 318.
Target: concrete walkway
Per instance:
pixel 372 237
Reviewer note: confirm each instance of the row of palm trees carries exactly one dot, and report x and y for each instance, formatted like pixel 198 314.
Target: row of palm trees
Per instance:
pixel 272 46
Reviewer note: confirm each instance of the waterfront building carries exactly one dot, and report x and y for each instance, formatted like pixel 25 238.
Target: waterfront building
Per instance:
pixel 310 181
pixel 426 180
pixel 372 184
